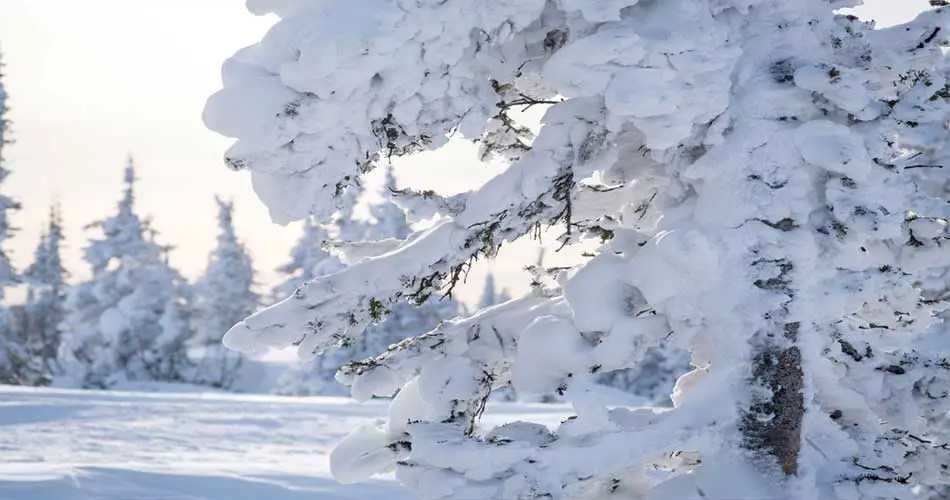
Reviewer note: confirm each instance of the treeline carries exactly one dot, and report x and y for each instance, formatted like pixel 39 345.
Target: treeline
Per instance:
pixel 137 319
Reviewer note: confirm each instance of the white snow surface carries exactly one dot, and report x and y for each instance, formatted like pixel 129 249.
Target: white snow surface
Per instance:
pixel 58 444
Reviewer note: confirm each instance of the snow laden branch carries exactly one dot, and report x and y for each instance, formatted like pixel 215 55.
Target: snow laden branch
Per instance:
pixel 535 190
pixel 445 378
pixel 766 182
pixel 337 86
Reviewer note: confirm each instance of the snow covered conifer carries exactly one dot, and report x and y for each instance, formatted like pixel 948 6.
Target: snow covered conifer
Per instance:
pixel 401 320
pixel 347 227
pixel 490 295
pixel 8 274
pixel 224 295
pixel 113 328
pixel 46 291
pixel 308 259
pixel 4 122
pixel 740 162
pixel 164 359
pixel 389 221
pixel 654 376
pixel 19 357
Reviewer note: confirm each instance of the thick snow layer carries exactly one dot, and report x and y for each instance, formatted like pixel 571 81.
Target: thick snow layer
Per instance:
pixel 833 147
pixel 81 445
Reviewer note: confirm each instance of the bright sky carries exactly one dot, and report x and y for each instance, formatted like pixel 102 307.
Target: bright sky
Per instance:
pixel 91 81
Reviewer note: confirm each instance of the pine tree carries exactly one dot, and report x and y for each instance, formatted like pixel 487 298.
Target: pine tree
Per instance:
pixel 113 329
pixel 404 318
pixel 165 360
pixel 8 274
pixel 742 164
pixel 389 221
pixel 654 376
pixel 490 296
pixel 225 295
pixel 19 361
pixel 401 321
pixel 46 292
pixel 308 259
pixel 347 227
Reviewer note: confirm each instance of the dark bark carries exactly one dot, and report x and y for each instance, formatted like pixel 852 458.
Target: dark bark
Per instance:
pixel 773 425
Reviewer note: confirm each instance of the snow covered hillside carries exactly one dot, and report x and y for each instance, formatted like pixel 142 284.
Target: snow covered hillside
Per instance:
pixel 89 445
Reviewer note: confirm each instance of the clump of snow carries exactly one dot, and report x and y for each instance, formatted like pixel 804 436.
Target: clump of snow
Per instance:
pixel 833 147
pixel 362 454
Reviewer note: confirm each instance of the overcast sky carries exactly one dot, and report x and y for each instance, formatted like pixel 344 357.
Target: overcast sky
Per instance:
pixel 94 80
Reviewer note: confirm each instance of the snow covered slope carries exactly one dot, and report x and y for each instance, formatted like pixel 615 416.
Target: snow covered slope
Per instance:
pixel 88 445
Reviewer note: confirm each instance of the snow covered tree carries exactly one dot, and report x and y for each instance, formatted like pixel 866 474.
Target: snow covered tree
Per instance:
pixel 654 376
pixel 46 292
pixel 115 327
pixel 19 361
pixel 490 294
pixel 8 274
pixel 389 221
pixel 4 121
pixel 224 295
pixel 308 259
pixel 164 359
pixel 402 319
pixel 741 164
pixel 346 226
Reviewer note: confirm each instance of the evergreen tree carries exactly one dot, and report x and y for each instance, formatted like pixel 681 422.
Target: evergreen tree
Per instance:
pixel 19 360
pixel 654 376
pixel 225 295
pixel 165 360
pixel 4 121
pixel 490 296
pixel 113 329
pixel 46 292
pixel 8 274
pixel 745 167
pixel 401 321
pixel 404 318
pixel 388 220
pixel 345 224
pixel 308 259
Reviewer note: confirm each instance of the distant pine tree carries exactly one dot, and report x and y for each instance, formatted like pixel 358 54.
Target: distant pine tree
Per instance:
pixel 46 292
pixel 346 227
pixel 403 320
pixel 113 331
pixel 224 297
pixel 490 294
pixel 8 274
pixel 19 361
pixel 388 220
pixel 308 259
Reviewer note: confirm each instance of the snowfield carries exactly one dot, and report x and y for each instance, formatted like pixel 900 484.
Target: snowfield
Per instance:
pixel 58 444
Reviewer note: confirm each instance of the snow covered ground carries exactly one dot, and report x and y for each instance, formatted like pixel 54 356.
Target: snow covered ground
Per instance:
pixel 58 444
